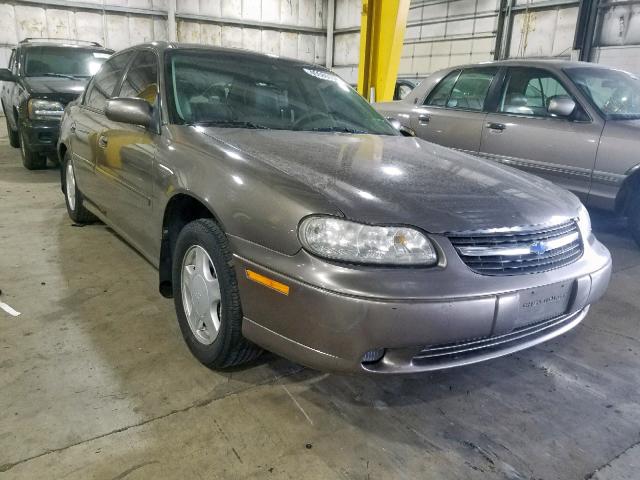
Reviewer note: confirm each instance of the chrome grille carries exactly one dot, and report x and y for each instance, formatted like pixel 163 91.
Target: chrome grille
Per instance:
pixel 519 251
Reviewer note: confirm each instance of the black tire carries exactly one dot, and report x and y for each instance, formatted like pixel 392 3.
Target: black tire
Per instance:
pixel 30 159
pixel 77 212
pixel 14 137
pixel 229 348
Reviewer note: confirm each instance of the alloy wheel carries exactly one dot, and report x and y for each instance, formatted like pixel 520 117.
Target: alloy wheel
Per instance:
pixel 201 296
pixel 70 186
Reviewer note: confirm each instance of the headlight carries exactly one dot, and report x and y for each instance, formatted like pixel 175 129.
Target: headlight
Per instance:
pixel 44 109
pixel 584 222
pixel 338 239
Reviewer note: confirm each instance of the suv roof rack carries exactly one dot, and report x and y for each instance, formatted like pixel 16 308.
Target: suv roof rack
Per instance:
pixel 60 40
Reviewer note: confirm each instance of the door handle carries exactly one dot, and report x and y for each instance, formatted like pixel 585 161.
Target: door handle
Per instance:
pixel 423 119
pixel 496 126
pixel 103 141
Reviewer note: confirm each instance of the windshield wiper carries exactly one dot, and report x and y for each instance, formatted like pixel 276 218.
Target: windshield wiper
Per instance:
pixel 337 129
pixel 230 124
pixel 60 75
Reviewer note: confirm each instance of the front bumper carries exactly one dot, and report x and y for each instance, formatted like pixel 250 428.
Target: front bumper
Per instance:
pixel 42 135
pixel 334 313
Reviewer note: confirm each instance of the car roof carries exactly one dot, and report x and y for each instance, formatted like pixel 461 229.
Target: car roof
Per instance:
pixel 64 44
pixel 557 63
pixel 163 46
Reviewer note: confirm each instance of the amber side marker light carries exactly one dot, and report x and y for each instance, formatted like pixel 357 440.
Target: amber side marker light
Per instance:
pixel 268 282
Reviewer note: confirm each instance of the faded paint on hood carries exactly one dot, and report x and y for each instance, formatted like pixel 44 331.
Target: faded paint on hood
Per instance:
pixel 401 180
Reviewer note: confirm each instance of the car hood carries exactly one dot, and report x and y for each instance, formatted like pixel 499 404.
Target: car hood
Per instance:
pixel 54 87
pixel 402 180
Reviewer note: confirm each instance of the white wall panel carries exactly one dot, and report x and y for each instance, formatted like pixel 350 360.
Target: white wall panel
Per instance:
pixel 8 31
pixel 211 34
pixel 543 33
pixel 346 49
pixel 626 58
pixel 291 13
pixel 252 39
pixel 89 26
pixel 271 42
pixel 348 13
pixel 448 33
pixel 120 30
pixel 231 37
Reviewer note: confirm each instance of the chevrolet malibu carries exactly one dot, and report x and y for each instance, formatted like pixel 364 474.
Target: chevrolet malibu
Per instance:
pixel 284 213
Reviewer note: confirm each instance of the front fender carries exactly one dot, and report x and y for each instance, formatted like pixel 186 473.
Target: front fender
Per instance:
pixel 250 199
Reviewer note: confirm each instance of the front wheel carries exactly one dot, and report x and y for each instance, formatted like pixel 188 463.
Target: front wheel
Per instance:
pixel 30 159
pixel 206 297
pixel 73 198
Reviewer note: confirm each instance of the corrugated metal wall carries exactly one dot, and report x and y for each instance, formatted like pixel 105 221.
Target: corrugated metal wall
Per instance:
pixel 295 28
pixel 347 39
pixel 442 33
pixel 115 30
pixel 541 29
pixel 618 36
pixel 308 46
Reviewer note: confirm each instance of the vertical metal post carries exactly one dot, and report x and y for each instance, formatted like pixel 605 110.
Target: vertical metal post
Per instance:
pixel 585 36
pixel 382 27
pixel 171 20
pixel 331 18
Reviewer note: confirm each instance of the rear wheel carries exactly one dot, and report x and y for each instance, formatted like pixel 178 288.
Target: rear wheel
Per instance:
pixel 73 198
pixel 206 297
pixel 30 159
pixel 14 137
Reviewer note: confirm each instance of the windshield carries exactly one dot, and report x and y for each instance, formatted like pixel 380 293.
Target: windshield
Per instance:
pixel 230 90
pixel 62 61
pixel 614 92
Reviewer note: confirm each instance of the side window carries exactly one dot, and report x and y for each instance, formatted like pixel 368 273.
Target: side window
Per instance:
pixel 439 95
pixel 528 91
pixel 465 91
pixel 142 78
pixel 470 91
pixel 105 81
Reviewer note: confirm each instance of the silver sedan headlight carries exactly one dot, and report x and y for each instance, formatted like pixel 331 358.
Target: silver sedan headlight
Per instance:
pixel 584 222
pixel 45 109
pixel 338 239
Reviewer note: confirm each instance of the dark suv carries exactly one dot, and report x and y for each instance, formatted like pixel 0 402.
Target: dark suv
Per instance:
pixel 44 75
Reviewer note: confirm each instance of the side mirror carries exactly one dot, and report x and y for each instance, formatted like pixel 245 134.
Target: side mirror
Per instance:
pixel 6 75
pixel 406 131
pixel 135 111
pixel 561 106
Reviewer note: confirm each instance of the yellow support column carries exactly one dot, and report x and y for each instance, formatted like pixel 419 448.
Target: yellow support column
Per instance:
pixel 381 36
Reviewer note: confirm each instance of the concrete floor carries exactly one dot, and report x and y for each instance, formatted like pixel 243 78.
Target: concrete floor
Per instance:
pixel 96 382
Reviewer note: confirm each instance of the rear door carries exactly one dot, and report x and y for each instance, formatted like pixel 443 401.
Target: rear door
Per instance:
pixel 89 121
pixel 453 113
pixel 125 157
pixel 522 133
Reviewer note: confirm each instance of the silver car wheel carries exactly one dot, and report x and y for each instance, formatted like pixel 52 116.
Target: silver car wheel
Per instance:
pixel 201 295
pixel 70 187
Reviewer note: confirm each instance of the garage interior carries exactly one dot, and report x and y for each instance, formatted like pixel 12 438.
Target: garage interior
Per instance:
pixel 95 379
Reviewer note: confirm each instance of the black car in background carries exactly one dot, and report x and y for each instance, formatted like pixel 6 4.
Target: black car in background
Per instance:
pixel 44 75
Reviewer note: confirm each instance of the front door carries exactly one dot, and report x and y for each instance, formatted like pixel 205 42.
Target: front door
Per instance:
pixel 522 132
pixel 454 112
pixel 126 155
pixel 89 121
